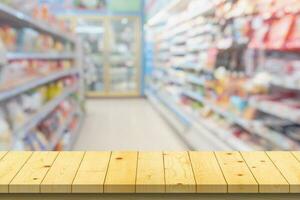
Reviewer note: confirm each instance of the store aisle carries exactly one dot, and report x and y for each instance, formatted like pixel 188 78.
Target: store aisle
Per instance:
pixel 125 124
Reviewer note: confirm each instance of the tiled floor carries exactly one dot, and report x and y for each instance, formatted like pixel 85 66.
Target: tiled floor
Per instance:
pixel 125 124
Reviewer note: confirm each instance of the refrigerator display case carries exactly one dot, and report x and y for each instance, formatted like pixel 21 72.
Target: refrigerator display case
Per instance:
pixel 112 52
pixel 92 33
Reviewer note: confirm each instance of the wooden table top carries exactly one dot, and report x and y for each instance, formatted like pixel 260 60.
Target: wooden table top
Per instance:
pixel 149 172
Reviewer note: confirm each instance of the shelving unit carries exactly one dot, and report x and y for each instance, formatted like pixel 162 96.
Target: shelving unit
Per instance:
pixel 39 56
pixel 42 113
pixel 20 88
pixel 208 60
pixel 203 129
pixel 18 19
pixel 61 88
pixel 61 131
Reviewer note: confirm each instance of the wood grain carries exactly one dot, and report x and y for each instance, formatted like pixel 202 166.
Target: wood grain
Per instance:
pixel 29 178
pixel 62 173
pixel 261 167
pixel 179 173
pixel 208 175
pixel 121 174
pixel 10 165
pixel 91 173
pixel 236 173
pixel 289 167
pixel 150 173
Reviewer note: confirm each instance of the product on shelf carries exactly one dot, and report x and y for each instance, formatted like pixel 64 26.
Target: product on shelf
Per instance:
pixel 18 72
pixel 5 132
pixel 29 40
pixel 29 103
pixel 51 132
pixel 16 114
pixel 238 64
pixel 39 12
pixel 38 79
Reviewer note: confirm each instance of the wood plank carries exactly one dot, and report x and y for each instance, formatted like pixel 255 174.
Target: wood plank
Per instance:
pixel 289 168
pixel 2 154
pixel 10 165
pixel 91 173
pixel 296 154
pixel 121 174
pixel 62 173
pixel 29 178
pixel 208 175
pixel 179 173
pixel 161 196
pixel 150 173
pixel 270 182
pixel 236 173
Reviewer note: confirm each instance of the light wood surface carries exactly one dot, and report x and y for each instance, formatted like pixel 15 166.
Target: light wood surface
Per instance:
pixel 236 173
pixel 29 178
pixel 150 196
pixel 209 177
pixel 10 165
pixel 91 173
pixel 61 175
pixel 179 174
pixel 266 174
pixel 289 167
pixel 149 172
pixel 121 173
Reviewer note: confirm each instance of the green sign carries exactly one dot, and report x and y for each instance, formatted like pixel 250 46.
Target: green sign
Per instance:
pixel 124 5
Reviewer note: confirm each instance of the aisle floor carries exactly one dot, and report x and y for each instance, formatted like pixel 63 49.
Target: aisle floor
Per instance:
pixel 125 124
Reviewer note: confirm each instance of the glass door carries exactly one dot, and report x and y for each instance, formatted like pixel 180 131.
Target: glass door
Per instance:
pixel 92 30
pixel 124 56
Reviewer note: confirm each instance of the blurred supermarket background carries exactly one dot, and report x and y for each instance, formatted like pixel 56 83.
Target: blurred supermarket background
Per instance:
pixel 150 75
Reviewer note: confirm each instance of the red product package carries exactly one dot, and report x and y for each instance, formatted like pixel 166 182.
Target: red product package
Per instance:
pixel 211 57
pixel 279 31
pixel 293 41
pixel 260 29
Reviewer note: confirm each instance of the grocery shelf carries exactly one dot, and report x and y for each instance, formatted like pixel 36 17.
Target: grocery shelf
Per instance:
pixel 165 112
pixel 220 138
pixel 202 131
pixel 173 80
pixel 233 71
pixel 43 112
pixel 59 53
pixel 168 103
pixel 64 127
pixel 161 15
pixel 219 134
pixel 195 80
pixel 60 133
pixel 285 83
pixel 193 95
pixel 21 88
pixel 75 133
pixel 254 127
pixel 227 136
pixel 188 66
pixel 277 110
pixel 39 56
pixel 18 19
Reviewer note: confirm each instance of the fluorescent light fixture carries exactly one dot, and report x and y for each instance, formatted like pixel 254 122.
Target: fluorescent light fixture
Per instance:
pixel 158 17
pixel 89 29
